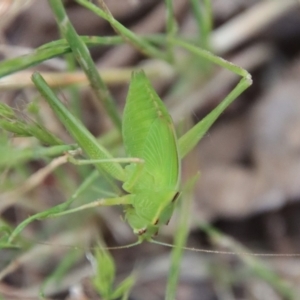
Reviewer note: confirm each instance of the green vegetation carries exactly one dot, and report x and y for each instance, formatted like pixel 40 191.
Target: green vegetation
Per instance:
pixel 148 164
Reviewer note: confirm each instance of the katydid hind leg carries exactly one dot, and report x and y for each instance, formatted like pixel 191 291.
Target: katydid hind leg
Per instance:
pixel 190 139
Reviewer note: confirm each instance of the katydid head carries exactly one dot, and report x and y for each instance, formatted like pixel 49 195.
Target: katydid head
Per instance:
pixel 149 211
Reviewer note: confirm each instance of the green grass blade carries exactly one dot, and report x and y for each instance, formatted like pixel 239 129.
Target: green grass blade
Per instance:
pixel 42 134
pixel 78 131
pixel 22 62
pixel 83 57
pixel 74 90
pixel 89 41
pixel 123 289
pixel 58 275
pixel 12 156
pixel 105 270
pixel 171 21
pixel 60 47
pixel 6 111
pixel 9 121
pixel 139 43
pixel 15 127
pixel 171 27
pixel 20 128
pixel 203 17
pixel 181 236
pixel 50 50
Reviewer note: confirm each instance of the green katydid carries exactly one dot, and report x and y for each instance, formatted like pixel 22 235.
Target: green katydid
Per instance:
pixel 148 133
pixel 152 176
pixel 152 179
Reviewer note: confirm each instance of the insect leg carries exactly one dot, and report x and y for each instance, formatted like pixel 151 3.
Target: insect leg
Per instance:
pixel 124 200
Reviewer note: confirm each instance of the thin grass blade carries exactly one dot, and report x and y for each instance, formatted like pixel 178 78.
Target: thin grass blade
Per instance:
pixel 171 27
pixel 83 57
pixel 60 47
pixel 181 236
pixel 203 16
pixel 139 43
pixel 78 131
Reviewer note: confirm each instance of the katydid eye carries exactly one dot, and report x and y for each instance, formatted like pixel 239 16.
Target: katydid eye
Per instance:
pixel 175 197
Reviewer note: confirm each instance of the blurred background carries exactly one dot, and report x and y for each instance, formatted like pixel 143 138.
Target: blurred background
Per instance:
pixel 250 160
